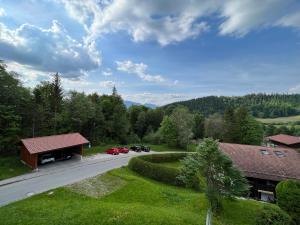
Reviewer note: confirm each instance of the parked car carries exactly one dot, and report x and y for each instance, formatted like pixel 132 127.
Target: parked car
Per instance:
pixel 123 150
pixel 136 148
pixel 47 158
pixel 112 151
pixel 67 155
pixel 145 148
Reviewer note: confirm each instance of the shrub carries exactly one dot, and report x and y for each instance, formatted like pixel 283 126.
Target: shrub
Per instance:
pixel 288 198
pixel 161 158
pixel 153 138
pixel 148 166
pixel 272 215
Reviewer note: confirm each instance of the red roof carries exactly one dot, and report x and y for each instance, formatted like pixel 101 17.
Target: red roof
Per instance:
pixel 284 139
pixel 250 160
pixel 48 143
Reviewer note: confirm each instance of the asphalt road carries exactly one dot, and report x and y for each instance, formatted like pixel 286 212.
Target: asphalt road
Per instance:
pixel 59 175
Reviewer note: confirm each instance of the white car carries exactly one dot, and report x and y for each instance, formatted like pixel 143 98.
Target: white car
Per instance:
pixel 47 158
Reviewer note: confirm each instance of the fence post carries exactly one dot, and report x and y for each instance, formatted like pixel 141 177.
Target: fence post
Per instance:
pixel 208 217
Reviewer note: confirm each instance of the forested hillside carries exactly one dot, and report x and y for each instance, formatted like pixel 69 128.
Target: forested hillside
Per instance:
pixel 260 105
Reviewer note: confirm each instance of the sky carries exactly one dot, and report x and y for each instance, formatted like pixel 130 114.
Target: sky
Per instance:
pixel 157 51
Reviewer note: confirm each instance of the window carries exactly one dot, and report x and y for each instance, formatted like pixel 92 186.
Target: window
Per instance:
pixel 279 153
pixel 264 152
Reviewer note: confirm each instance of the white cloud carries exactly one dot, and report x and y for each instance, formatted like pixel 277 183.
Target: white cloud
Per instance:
pixel 156 98
pixel 2 12
pixel 107 72
pixel 175 82
pixel 292 20
pixel 107 84
pixel 172 21
pixel 48 50
pixel 295 89
pixel 243 16
pixel 138 69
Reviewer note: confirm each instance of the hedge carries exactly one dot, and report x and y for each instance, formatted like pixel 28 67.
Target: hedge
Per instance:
pixel 272 215
pixel 148 166
pixel 288 198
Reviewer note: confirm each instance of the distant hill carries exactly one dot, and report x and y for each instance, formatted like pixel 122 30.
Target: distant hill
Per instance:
pixel 131 103
pixel 260 105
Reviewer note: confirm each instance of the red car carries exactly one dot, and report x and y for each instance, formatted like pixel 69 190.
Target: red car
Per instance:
pixel 112 151
pixel 123 150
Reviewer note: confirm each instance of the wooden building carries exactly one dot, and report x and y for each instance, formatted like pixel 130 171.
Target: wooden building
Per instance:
pixel 284 140
pixel 33 149
pixel 264 167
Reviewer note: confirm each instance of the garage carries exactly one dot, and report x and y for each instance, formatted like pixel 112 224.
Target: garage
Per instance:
pixel 40 150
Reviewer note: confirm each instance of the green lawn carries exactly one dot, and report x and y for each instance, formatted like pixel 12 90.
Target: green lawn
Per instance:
pixel 280 120
pixel 134 201
pixel 11 166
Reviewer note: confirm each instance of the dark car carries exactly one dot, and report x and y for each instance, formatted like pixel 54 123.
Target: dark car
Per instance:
pixel 123 150
pixel 136 148
pixel 67 155
pixel 112 151
pixel 145 148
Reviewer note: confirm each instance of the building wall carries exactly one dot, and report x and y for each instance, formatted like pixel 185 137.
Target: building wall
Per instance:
pixel 29 159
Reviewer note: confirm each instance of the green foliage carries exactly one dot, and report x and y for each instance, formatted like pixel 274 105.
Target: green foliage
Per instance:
pixel 288 198
pixel 149 166
pixel 15 110
pixel 176 129
pixel 271 215
pixel 260 105
pixel 168 131
pixel 198 128
pixel 214 127
pixel 153 138
pixel 221 178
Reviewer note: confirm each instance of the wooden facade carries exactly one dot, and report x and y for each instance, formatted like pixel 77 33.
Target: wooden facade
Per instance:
pixel 30 160
pixel 59 146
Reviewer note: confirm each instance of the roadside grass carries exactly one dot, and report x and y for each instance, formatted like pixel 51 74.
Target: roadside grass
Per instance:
pixel 139 201
pixel 11 166
pixel 97 186
pixel 97 149
pixel 166 148
pixel 280 120
pixel 159 148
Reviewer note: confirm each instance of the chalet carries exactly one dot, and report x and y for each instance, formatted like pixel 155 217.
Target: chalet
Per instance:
pixel 264 167
pixel 284 140
pixel 33 149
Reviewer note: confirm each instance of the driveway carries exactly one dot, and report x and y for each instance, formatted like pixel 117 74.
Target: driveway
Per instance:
pixel 59 174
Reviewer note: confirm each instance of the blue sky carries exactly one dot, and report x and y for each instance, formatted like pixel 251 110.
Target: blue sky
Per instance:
pixel 155 51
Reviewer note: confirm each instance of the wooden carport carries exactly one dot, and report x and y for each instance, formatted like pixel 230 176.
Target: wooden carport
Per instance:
pixel 32 147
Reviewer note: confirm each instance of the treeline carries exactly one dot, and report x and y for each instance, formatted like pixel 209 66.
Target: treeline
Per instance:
pixel 270 129
pixel 259 105
pixel 47 109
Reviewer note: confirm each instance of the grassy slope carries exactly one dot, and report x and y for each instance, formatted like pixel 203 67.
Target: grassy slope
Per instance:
pixel 11 166
pixel 280 120
pixel 139 201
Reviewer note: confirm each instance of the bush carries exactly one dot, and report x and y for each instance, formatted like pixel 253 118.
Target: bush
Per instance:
pixel 288 198
pixel 148 166
pixel 157 172
pixel 153 138
pixel 133 138
pixel 272 215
